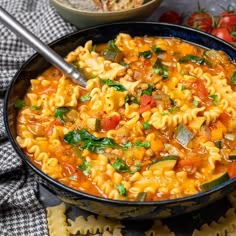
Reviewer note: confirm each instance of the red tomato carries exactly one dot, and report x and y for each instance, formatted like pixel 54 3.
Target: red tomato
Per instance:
pixel 227 19
pixel 200 20
pixel 146 103
pixel 171 17
pixel 223 33
pixel 109 123
pixel 224 118
pixel 200 90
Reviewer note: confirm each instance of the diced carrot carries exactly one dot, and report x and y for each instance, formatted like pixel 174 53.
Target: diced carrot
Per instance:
pixel 217 131
pixel 232 169
pixel 157 145
pixel 194 161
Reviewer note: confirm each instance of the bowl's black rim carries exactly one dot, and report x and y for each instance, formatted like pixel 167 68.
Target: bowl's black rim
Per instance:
pixel 93 197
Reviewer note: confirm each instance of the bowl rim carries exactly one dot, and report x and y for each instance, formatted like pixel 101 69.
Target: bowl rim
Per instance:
pixel 105 13
pixel 90 196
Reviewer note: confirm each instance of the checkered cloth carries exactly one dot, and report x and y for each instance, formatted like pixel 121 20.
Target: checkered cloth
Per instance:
pixel 21 213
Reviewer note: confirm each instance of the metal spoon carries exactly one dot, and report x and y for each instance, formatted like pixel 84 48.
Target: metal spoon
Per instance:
pixel 34 42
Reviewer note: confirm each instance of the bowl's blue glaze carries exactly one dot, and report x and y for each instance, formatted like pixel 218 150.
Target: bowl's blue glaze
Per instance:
pixel 107 207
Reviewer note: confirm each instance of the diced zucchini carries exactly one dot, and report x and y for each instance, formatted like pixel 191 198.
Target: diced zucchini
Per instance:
pixel 230 136
pixel 232 155
pixel 141 197
pixel 166 163
pixel 183 135
pixel 219 179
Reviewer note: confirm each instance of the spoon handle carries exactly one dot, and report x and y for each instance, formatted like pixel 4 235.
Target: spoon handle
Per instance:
pixel 34 42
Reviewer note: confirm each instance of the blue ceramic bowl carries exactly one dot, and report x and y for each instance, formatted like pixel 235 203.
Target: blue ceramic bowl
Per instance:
pixel 107 207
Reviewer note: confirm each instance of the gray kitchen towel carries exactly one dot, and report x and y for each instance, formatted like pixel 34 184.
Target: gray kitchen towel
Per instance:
pixel 21 213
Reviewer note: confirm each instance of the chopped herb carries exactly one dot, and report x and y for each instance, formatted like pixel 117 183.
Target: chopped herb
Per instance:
pixel 135 101
pixel 115 85
pixel 124 64
pixel 146 125
pixel 35 107
pixel 195 103
pixel 161 69
pixel 218 144
pixel 233 78
pixel 120 166
pixel 122 190
pixel 89 141
pixel 137 165
pixel 19 104
pixel 182 87
pixel 85 98
pixel 214 97
pixel 60 112
pixel 148 91
pixel 142 144
pixel 127 145
pixel 173 109
pixel 85 167
pixel 127 98
pixel 164 113
pixel 157 50
pixel 71 177
pixel 192 58
pixel 93 76
pixel 146 54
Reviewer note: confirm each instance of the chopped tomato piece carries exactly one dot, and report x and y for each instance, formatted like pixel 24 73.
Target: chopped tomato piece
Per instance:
pixel 232 169
pixel 109 123
pixel 194 161
pixel 224 118
pixel 52 124
pixel 200 90
pixel 146 103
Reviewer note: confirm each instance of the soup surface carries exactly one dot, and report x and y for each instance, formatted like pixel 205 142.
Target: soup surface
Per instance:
pixel 157 120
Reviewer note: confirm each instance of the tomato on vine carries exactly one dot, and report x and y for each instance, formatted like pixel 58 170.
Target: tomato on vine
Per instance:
pixel 200 20
pixel 224 34
pixel 227 19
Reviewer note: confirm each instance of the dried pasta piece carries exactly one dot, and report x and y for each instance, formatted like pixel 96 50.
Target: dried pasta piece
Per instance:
pixel 92 225
pixel 56 218
pixel 224 226
pixel 158 229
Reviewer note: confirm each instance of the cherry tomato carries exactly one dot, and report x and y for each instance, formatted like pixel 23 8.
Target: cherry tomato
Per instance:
pixel 200 20
pixel 223 33
pixel 227 19
pixel 109 123
pixel 171 17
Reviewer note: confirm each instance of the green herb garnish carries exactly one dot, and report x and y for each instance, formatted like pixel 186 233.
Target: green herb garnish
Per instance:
pixel 146 54
pixel 146 125
pixel 120 166
pixel 122 190
pixel 85 167
pixel 148 91
pixel 60 112
pixel 192 58
pixel 85 98
pixel 214 97
pixel 142 144
pixel 115 85
pixel 157 50
pixel 161 69
pixel 35 107
pixel 89 141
